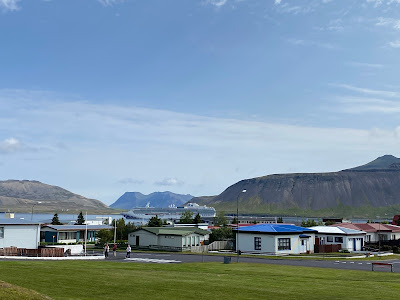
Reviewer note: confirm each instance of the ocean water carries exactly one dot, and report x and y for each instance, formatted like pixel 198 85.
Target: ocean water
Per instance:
pixel 64 218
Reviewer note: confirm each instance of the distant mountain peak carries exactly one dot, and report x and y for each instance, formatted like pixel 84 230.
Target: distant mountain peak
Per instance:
pixel 157 199
pixel 385 162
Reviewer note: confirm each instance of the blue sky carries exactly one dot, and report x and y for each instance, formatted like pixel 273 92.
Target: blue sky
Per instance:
pixel 102 97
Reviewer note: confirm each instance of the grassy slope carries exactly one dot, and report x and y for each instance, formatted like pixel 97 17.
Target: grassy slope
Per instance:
pixel 12 292
pixel 109 280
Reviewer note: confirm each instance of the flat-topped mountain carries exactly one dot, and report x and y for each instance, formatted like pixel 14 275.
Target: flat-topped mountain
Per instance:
pixel 22 195
pixel 157 199
pixel 366 191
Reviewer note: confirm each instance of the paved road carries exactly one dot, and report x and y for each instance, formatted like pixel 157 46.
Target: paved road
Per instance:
pixel 148 257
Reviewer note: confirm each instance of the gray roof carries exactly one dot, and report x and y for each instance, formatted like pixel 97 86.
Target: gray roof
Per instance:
pixel 175 230
pixel 78 227
pixel 17 222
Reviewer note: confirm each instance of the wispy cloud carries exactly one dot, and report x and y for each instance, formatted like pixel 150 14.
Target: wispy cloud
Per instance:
pixel 394 44
pixel 169 182
pixel 129 180
pixel 300 42
pixel 394 23
pixel 217 3
pixel 108 143
pixel 110 2
pixel 13 145
pixel 365 65
pixel 355 105
pixel 367 91
pixel 9 5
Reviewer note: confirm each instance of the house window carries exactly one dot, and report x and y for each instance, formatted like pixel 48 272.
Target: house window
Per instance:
pixel 329 239
pixel 1 232
pixel 338 239
pixel 283 244
pixel 257 243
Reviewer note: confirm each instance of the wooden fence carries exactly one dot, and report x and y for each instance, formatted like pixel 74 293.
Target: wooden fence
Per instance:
pixel 41 252
pixel 217 245
pixel 327 248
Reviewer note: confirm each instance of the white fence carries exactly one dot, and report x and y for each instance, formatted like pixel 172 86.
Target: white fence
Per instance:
pixel 217 245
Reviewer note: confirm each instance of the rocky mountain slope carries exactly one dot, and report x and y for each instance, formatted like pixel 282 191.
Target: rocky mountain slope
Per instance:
pixel 364 191
pixel 22 195
pixel 157 199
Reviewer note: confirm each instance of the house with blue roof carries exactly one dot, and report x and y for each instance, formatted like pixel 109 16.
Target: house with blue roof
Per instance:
pixel 275 239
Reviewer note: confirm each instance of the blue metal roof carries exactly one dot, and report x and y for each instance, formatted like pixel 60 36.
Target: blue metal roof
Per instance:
pixel 276 228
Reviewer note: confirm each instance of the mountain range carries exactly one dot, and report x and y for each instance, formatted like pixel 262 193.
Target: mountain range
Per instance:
pixel 24 195
pixel 365 191
pixel 157 199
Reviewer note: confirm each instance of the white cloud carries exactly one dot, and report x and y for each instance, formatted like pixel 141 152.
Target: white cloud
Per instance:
pixel 394 23
pixel 368 91
pixel 110 2
pixel 130 181
pixel 169 182
pixel 366 65
pixel 217 3
pixel 300 42
pixel 356 105
pixel 395 44
pixel 278 2
pixel 10 145
pixel 108 143
pixel 9 5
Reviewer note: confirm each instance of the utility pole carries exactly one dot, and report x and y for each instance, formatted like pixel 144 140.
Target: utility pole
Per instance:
pixel 237 225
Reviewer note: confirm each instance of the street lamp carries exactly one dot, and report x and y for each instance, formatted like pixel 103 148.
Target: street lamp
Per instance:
pixel 237 224
pixel 33 207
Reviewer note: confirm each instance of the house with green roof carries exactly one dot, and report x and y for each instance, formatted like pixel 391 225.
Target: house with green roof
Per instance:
pixel 168 238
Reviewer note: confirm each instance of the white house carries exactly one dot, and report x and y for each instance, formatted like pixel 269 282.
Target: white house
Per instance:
pixel 275 239
pixel 349 239
pixel 173 238
pixel 70 233
pixel 375 231
pixel 19 233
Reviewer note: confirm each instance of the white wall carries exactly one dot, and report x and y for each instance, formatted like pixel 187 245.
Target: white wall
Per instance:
pixel 21 236
pixel 269 243
pixel 348 240
pixel 145 238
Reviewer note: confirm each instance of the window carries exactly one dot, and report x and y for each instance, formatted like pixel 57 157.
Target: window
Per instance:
pixel 284 244
pixel 1 232
pixel 338 239
pixel 329 239
pixel 257 243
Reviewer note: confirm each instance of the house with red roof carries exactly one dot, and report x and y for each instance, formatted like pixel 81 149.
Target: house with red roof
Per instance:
pixel 374 231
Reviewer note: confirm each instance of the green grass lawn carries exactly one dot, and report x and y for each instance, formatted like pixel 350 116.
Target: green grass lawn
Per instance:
pixel 115 280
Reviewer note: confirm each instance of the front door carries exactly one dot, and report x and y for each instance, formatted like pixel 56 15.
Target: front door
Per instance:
pixel 137 240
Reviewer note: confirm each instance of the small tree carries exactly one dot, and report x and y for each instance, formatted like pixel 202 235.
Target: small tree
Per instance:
pixel 280 220
pixel 55 220
pixel 105 236
pixel 235 220
pixel 80 220
pixel 221 234
pixel 186 217
pixel 220 219
pixel 155 222
pixel 197 219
